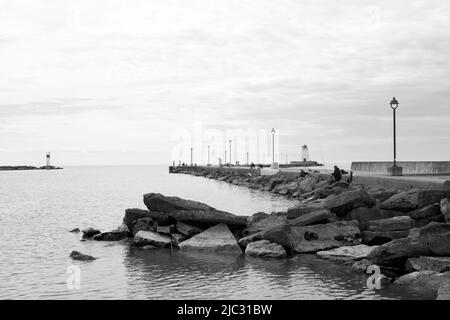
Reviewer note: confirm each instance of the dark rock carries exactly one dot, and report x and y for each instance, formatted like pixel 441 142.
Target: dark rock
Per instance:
pixel 165 229
pixel 177 238
pixel 265 249
pixel 215 239
pixel 303 209
pixel 343 203
pixel 270 221
pixel 143 238
pixel 444 287
pixel 273 183
pixel 445 209
pixel 188 230
pixel 76 255
pixel 324 236
pixel 90 232
pixel 361 266
pixel 257 217
pixel 277 234
pixel 364 214
pixel 146 224
pixel 314 217
pixel 209 218
pixel 373 238
pixel 76 230
pixel 423 222
pixel 436 264
pixel 414 199
pixel 426 212
pixel 391 224
pixel 431 240
pixel 160 203
pixel 381 194
pixel 112 236
pixel 131 215
pixel 422 281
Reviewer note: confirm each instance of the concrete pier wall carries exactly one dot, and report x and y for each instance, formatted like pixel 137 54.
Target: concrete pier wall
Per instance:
pixel 409 167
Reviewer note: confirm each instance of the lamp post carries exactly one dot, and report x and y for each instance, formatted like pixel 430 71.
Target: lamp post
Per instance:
pixel 395 170
pixel 247 159
pixel 273 146
pixel 230 150
pixel 208 157
pixel 192 162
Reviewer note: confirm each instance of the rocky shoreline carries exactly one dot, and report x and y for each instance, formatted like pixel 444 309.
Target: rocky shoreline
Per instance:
pixel 405 234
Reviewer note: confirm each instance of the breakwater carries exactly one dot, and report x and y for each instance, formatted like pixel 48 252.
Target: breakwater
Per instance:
pixel 15 168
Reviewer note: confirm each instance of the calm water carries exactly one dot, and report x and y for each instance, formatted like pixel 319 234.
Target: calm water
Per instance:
pixel 38 208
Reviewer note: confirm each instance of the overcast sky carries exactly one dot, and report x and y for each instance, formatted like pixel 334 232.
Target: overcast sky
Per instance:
pixel 112 82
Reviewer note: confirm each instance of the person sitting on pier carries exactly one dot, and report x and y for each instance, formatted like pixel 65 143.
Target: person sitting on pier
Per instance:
pixel 337 174
pixel 303 173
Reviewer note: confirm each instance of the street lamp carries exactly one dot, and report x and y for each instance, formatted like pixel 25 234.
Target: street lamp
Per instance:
pixel 208 157
pixel 192 162
pixel 230 150
pixel 395 170
pixel 273 146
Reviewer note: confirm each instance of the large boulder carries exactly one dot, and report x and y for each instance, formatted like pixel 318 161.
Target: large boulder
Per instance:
pixel 426 212
pixel 270 221
pixel 391 224
pixel 436 264
pixel 423 281
pixel 89 232
pixel 346 201
pixel 380 193
pixel 143 238
pixel 414 199
pixel 188 230
pixel 324 236
pixel 209 218
pixel 364 214
pixel 76 255
pixel 314 217
pixel 277 234
pixel 444 287
pixel 215 239
pixel 373 238
pixel 431 240
pixel 161 203
pixel 347 253
pixel 303 209
pixel 146 224
pixel 265 249
pixel 306 184
pixel 445 209
pixel 132 215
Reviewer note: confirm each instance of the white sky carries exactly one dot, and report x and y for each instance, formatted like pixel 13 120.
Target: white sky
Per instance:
pixel 109 82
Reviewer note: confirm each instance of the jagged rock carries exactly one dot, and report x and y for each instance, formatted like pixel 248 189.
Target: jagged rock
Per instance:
pixel 145 224
pixel 436 264
pixel 414 199
pixel 285 188
pixel 90 232
pixel 364 214
pixel 131 215
pixel 423 222
pixel 343 203
pixel 306 184
pixel 276 234
pixel 209 218
pixel 445 209
pixel 215 239
pixel 143 238
pixel 421 280
pixel 160 203
pixel 270 221
pixel 303 209
pixel 444 287
pixel 373 238
pixel 177 238
pixel 265 249
pixel 381 194
pixel 187 229
pixel 324 236
pixel 391 224
pixel 431 240
pixel 361 266
pixel 111 236
pixel 314 217
pixel 346 253
pixel 426 212
pixel 256 217
pixel 76 230
pixel 76 255
pixel 273 183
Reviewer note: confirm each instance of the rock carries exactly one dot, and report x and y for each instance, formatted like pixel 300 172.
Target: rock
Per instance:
pixel 215 239
pixel 143 238
pixel 306 184
pixel 426 212
pixel 314 217
pixel 445 209
pixel 381 194
pixel 373 238
pixel 257 217
pixel 303 209
pixel 423 222
pixel 361 266
pixel 444 287
pixel 276 234
pixel 209 218
pixel 346 253
pixel 76 255
pixel 270 221
pixel 287 188
pixel 431 240
pixel 90 232
pixel 421 280
pixel 324 236
pixel 76 230
pixel 111 236
pixel 165 229
pixel 343 203
pixel 265 249
pixel 131 215
pixel 391 224
pixel 160 203
pixel 187 229
pixel 273 183
pixel 414 199
pixel 364 214
pixel 436 264
pixel 145 224
pixel 177 238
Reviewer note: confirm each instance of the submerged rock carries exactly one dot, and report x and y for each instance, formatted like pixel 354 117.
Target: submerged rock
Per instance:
pixel 76 255
pixel 346 253
pixel 265 249
pixel 361 266
pixel 111 236
pixel 143 238
pixel 90 232
pixel 215 239
pixel 76 230
pixel 324 236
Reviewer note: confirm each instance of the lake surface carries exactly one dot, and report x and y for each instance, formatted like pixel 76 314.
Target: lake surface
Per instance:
pixel 38 208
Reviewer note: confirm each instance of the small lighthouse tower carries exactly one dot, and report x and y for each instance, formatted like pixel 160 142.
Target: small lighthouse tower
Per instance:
pixel 47 157
pixel 305 153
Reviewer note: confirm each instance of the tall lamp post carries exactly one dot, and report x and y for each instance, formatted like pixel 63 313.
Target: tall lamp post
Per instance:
pixel 273 147
pixel 395 170
pixel 192 162
pixel 230 150
pixel 208 157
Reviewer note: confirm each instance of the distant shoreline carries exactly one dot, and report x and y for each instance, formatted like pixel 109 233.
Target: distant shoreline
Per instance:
pixel 16 168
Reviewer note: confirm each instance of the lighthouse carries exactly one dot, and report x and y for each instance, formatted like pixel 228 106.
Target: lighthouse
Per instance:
pixel 305 153
pixel 47 157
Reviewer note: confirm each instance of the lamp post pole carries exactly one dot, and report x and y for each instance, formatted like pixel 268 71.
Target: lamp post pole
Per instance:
pixel 230 150
pixel 396 171
pixel 208 157
pixel 273 146
pixel 192 162
pixel 247 159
